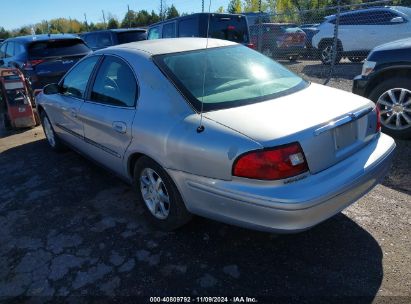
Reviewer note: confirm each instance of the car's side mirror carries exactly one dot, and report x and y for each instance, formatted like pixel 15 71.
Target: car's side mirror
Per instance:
pixel 51 89
pixel 397 20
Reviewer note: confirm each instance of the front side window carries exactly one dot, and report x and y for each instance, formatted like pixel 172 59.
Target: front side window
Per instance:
pixel 91 40
pixel 75 83
pixel 169 30
pixel 234 76
pixel 115 84
pixel 153 33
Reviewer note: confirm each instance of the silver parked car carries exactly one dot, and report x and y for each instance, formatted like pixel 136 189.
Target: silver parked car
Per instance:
pixel 271 151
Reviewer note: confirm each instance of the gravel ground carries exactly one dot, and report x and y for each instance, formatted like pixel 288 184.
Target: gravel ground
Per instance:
pixel 69 228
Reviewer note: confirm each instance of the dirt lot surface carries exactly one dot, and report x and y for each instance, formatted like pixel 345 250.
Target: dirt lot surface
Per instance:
pixel 69 228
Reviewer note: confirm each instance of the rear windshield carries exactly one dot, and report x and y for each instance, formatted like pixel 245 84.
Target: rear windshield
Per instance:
pixel 57 48
pixel 131 36
pixel 233 28
pixel 234 76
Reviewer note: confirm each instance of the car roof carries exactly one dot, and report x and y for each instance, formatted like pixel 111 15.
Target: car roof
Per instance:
pixel 195 14
pixel 364 10
pixel 170 45
pixel 121 30
pixel 43 37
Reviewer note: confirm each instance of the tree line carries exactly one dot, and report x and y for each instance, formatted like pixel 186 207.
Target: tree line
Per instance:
pixel 285 9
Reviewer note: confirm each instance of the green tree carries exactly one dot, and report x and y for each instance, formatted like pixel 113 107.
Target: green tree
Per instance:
pixel 129 19
pixel 234 7
pixel 153 17
pixel 4 34
pixel 112 23
pixel 172 12
pixel 220 9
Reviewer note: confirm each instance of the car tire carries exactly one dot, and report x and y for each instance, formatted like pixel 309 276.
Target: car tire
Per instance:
pixel 356 59
pixel 389 111
pixel 158 195
pixel 52 139
pixel 325 52
pixel 6 122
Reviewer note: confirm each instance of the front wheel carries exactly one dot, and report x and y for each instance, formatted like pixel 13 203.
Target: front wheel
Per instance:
pixel 393 99
pixel 159 196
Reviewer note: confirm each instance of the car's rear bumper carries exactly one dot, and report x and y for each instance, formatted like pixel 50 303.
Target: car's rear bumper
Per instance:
pixel 293 207
pixel 359 85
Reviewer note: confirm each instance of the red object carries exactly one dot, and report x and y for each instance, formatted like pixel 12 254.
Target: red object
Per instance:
pixel 29 65
pixel 378 125
pixel 16 106
pixel 252 46
pixel 231 27
pixel 271 164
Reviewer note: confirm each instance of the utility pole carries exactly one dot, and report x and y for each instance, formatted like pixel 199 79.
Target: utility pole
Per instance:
pixel 161 10
pixel 85 20
pixel 202 6
pixel 104 19
pixel 128 14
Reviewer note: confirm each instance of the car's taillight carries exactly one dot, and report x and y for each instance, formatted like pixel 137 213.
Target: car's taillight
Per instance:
pixel 251 46
pixel 378 124
pixel 270 164
pixel 30 64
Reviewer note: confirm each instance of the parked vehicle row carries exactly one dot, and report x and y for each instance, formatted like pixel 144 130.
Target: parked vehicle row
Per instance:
pixel 102 39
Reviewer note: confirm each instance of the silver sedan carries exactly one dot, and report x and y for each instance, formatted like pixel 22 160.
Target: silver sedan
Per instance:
pixel 219 131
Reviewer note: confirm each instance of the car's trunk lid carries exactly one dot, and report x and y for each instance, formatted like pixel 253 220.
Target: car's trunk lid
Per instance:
pixel 329 124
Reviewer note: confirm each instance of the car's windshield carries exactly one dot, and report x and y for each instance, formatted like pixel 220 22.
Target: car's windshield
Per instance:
pixel 234 76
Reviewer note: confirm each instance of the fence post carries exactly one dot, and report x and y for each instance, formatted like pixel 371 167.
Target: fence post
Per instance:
pixel 335 43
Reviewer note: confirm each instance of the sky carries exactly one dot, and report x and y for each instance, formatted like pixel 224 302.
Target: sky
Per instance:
pixel 33 11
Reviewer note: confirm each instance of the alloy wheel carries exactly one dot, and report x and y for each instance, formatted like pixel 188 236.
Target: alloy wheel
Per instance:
pixel 395 108
pixel 155 194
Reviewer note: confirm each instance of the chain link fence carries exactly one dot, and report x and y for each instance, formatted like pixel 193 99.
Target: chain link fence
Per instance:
pixel 328 43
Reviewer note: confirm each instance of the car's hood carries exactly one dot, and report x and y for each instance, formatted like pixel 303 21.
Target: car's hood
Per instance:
pixel 285 116
pixel 394 45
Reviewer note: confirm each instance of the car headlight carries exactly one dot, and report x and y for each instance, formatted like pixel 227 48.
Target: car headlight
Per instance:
pixel 368 67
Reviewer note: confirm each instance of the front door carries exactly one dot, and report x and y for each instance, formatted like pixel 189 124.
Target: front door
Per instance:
pixel 65 107
pixel 108 112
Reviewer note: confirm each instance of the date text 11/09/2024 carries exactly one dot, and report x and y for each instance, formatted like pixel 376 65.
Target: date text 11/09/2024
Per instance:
pixel 203 300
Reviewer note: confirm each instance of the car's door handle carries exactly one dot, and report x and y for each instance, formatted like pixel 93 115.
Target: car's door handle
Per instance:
pixel 120 126
pixel 73 112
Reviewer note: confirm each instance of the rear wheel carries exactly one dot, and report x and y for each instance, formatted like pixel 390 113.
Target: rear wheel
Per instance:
pixel 159 196
pixel 52 139
pixel 393 99
pixel 327 53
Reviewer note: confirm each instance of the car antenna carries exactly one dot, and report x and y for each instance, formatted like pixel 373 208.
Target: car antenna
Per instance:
pixel 201 126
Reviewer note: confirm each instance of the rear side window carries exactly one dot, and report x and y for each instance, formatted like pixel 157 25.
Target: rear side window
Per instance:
pixel 154 33
pixel 188 28
pixel 131 36
pixel 229 28
pixel 104 40
pixel 75 83
pixel 169 30
pixel 3 50
pixel 115 84
pixel 57 48
pixel 91 40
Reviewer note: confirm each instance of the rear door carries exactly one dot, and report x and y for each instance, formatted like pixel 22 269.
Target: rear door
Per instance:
pixel 109 111
pixel 51 59
pixel 64 107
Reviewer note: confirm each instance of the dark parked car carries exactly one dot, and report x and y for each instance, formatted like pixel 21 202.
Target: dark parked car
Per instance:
pixel 43 59
pixel 231 27
pixel 386 80
pixel 278 40
pixel 102 39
